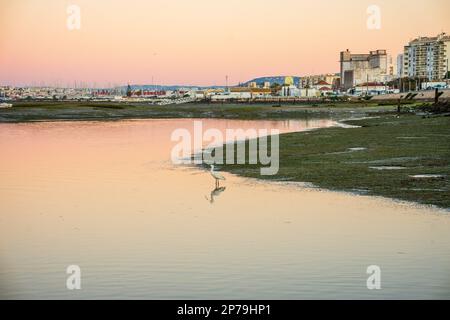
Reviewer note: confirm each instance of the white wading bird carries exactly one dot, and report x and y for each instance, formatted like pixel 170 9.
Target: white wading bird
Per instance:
pixel 216 176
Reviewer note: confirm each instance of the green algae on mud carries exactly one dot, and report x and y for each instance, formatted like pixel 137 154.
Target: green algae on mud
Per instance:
pixel 405 157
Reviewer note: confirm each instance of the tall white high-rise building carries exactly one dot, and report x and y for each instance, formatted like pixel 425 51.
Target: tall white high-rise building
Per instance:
pixel 427 57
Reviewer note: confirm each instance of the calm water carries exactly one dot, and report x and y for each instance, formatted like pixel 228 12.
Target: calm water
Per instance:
pixel 106 197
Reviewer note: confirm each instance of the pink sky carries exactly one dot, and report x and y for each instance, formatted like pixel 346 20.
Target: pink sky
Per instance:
pixel 198 41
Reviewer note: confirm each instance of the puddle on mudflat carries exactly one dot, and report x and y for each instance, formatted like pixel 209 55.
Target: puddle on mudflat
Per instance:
pixel 387 168
pixel 411 138
pixel 428 176
pixel 357 149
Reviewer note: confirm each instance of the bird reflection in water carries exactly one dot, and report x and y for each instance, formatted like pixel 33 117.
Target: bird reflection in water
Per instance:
pixel 217 189
pixel 215 193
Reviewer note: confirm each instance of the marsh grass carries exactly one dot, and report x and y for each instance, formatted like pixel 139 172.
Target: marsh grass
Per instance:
pixel 325 159
pixel 103 111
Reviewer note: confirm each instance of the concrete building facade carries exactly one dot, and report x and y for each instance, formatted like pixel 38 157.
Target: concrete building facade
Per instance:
pixel 357 69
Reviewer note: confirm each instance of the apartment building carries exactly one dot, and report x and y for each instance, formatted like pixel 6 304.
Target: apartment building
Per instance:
pixel 427 58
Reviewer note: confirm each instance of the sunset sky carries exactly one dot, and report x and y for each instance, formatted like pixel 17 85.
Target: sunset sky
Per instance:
pixel 198 42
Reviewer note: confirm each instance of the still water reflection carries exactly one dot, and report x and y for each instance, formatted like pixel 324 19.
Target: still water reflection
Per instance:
pixel 105 196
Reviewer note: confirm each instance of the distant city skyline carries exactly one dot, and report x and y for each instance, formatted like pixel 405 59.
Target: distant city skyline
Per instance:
pixel 198 42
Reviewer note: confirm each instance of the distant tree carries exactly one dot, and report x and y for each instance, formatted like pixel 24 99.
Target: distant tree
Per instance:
pixel 275 85
pixel 275 88
pixel 393 83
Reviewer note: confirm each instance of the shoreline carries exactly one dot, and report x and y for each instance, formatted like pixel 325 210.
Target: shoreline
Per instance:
pixel 312 187
pixel 57 111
